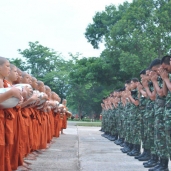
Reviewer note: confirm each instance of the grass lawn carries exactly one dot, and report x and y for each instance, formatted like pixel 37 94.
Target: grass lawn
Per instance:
pixel 98 124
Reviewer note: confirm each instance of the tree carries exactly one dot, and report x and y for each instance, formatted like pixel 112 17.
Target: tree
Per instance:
pixel 19 63
pixel 88 85
pixel 134 33
pixel 48 66
pixel 40 59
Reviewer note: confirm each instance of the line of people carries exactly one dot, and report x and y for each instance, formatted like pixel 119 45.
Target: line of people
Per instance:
pixel 139 115
pixel 30 116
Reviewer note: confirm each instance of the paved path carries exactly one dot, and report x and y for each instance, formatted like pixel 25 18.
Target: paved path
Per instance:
pixel 84 149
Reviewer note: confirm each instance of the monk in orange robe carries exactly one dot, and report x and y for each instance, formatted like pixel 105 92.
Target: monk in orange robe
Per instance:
pixel 48 113
pixel 27 146
pixel 21 133
pixel 56 114
pixel 43 129
pixel 5 124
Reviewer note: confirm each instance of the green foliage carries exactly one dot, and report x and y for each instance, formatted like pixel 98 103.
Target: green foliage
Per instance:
pixel 46 65
pixel 40 59
pixel 134 34
pixel 19 63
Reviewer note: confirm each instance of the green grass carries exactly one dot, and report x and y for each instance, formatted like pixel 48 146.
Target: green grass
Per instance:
pixel 77 120
pixel 97 124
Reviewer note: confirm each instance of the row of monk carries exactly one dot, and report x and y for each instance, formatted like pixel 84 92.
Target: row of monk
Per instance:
pixel 30 116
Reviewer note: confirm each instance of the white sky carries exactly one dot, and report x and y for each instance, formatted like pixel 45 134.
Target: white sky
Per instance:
pixel 57 24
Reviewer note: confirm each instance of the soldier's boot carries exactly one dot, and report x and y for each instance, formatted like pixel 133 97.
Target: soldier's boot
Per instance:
pixel 133 149
pixel 142 154
pixel 112 138
pixel 156 166
pixel 146 157
pixel 129 149
pixel 152 162
pixel 118 141
pixel 136 152
pixel 126 148
pixel 153 156
pixel 106 134
pixel 121 141
pixel 108 137
pixel 116 137
pixel 122 144
pixel 164 165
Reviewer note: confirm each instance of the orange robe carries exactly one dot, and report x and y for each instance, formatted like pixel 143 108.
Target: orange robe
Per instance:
pixel 38 130
pixel 56 124
pixel 60 122
pixel 51 120
pixel 9 116
pixel 2 140
pixel 26 142
pixel 16 156
pixel 34 128
pixel 48 127
pixel 64 121
pixel 43 131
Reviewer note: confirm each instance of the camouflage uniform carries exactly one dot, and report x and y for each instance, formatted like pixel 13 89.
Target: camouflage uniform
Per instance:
pixel 117 119
pixel 121 120
pixel 125 124
pixel 129 136
pixel 142 109
pixel 149 124
pixel 104 120
pixel 149 127
pixel 136 121
pixel 113 121
pixel 109 121
pixel 159 127
pixel 167 121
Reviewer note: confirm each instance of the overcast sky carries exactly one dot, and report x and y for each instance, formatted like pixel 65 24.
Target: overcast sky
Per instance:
pixel 57 24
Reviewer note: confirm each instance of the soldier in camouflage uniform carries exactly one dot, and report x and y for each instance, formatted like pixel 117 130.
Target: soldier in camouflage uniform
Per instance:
pixel 118 118
pixel 123 117
pixel 145 156
pixel 105 117
pixel 165 73
pixel 159 125
pixel 135 118
pixel 149 122
pixel 109 124
pixel 128 133
pixel 111 121
pixel 121 114
pixel 114 125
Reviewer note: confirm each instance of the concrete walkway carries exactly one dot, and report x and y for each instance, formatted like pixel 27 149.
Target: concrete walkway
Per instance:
pixel 84 149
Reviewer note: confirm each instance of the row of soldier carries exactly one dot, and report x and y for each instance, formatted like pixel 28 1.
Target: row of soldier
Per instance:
pixel 30 116
pixel 139 115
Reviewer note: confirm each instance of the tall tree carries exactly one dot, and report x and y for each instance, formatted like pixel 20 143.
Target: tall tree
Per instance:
pixel 47 65
pixel 40 59
pixel 21 64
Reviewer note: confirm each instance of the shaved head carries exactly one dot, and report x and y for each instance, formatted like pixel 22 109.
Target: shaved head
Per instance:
pixel 2 60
